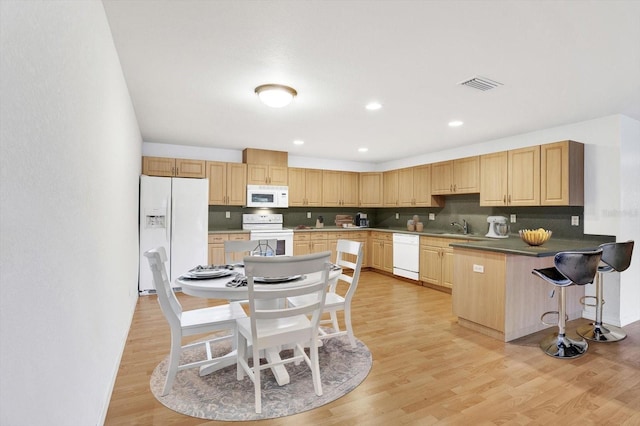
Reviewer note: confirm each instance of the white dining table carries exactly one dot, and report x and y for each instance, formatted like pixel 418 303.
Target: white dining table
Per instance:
pixel 216 288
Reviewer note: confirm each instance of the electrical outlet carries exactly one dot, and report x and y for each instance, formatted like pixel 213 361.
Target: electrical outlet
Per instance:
pixel 575 220
pixel 227 215
pixel 308 215
pixel 478 268
pixel 432 216
pixel 397 215
pixel 513 218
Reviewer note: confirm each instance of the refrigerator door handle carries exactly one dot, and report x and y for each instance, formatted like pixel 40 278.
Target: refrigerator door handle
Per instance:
pixel 168 225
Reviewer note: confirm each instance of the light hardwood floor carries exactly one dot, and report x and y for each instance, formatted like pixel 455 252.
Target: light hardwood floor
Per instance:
pixel 427 370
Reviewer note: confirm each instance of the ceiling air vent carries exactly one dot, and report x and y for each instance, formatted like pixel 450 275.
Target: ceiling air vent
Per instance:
pixel 480 83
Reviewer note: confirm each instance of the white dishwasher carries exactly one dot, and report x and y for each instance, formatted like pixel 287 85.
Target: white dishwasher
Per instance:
pixel 406 255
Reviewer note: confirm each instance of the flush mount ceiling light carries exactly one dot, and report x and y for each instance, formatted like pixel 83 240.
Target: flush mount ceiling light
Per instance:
pixel 275 95
pixel 363 149
pixel 372 106
pixel 298 142
pixel 455 123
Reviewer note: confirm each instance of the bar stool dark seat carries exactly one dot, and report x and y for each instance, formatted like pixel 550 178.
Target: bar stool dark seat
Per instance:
pixel 616 257
pixel 571 268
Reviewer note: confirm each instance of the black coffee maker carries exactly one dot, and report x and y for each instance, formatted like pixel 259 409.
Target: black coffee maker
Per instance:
pixel 361 220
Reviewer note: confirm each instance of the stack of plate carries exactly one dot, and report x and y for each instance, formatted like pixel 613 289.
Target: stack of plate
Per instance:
pixel 207 273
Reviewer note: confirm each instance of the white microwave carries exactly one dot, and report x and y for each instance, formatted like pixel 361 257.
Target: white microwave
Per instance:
pixel 269 196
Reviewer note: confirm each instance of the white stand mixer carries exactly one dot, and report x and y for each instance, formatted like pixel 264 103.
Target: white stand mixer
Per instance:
pixel 498 227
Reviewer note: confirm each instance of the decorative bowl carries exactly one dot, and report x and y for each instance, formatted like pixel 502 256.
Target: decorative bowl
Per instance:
pixel 535 237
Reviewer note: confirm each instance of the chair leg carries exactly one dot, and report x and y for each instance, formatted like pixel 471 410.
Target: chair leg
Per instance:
pixel 174 360
pixel 347 320
pixel 558 345
pixel 334 321
pixel 241 356
pixel 315 367
pixel 256 380
pixel 597 331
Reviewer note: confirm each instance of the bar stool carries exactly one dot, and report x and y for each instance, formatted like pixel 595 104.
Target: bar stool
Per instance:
pixel 616 257
pixel 571 268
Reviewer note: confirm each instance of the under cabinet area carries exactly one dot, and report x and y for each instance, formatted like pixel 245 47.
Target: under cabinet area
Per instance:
pixel 496 294
pixel 173 167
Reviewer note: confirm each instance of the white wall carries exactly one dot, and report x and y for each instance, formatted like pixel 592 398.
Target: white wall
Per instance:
pixel 70 160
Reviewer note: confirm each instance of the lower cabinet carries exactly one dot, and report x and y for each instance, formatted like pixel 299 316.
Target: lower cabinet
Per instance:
pixel 216 246
pixel 382 251
pixel 309 242
pixel 436 262
pixel 359 236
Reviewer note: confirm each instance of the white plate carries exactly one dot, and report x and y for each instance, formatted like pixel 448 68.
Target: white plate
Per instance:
pixel 272 280
pixel 207 274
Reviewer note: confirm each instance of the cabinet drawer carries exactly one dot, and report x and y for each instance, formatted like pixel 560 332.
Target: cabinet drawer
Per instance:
pixel 239 237
pixel 218 238
pixel 385 236
pixel 318 236
pixel 439 242
pixel 302 236
pixel 352 235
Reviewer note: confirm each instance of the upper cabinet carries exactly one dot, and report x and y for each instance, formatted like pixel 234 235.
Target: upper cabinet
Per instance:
pixel 266 167
pixel 414 187
pixel 173 167
pixel 461 176
pixel 227 183
pixel 339 188
pixel 390 188
pixel 562 174
pixel 510 178
pixel 305 187
pixel 370 189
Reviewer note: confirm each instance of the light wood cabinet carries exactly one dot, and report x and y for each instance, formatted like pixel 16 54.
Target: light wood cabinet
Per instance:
pixel 382 251
pixel 265 156
pixel 264 174
pixel 339 188
pixel 309 242
pixel 227 183
pixel 390 188
pixel 359 236
pixel 305 187
pixel 461 176
pixel 510 178
pixel 414 188
pixel 216 246
pixel 496 294
pixel 173 167
pixel 436 262
pixel 371 189
pixel 562 174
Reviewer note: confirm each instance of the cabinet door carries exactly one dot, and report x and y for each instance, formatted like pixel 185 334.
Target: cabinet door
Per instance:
pixel 297 187
pixel 216 254
pixel 236 184
pixel 278 175
pixel 300 247
pixel 377 254
pixel 524 177
pixel 190 168
pixel 390 188
pixel 257 174
pixel 466 175
pixel 371 189
pixel 405 188
pixel 349 186
pixel 387 256
pixel 493 179
pixel 422 188
pixel 442 178
pixel 217 175
pixel 430 265
pixel 158 166
pixel 562 174
pixel 313 187
pixel 331 180
pixel 447 268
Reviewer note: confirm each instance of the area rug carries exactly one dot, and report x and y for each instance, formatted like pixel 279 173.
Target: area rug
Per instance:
pixel 220 396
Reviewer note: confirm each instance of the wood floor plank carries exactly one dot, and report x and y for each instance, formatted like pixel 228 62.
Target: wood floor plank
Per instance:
pixel 427 370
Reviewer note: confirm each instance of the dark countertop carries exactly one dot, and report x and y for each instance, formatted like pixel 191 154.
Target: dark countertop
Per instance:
pixel 514 245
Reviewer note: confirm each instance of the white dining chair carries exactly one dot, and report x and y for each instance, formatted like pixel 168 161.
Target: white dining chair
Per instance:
pixel 349 257
pixel 235 251
pixel 188 323
pixel 273 324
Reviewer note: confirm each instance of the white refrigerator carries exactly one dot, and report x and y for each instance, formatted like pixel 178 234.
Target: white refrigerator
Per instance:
pixel 174 214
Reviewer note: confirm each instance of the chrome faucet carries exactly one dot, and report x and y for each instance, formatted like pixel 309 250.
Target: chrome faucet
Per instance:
pixel 464 226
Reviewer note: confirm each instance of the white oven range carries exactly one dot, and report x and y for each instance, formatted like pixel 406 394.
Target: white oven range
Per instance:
pixel 269 227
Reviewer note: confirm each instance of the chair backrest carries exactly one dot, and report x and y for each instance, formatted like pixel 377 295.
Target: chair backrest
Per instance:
pixel 578 266
pixel 346 250
pixel 167 299
pixel 235 251
pixel 270 297
pixel 616 256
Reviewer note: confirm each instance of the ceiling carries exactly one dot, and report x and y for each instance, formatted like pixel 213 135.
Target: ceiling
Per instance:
pixel 192 66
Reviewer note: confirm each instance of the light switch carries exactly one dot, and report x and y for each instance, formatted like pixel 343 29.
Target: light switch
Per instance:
pixel 227 215
pixel 432 216
pixel 513 218
pixel 397 215
pixel 308 215
pixel 478 268
pixel 575 220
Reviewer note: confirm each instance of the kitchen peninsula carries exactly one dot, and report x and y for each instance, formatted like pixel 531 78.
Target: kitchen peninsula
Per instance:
pixel 495 293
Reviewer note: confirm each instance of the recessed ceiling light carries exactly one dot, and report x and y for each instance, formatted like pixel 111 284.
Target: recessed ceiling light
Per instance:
pixel 298 142
pixel 455 123
pixel 372 106
pixel 275 95
pixel 363 149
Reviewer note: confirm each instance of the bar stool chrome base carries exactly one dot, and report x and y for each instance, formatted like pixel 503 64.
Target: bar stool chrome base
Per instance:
pixel 560 346
pixel 601 333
